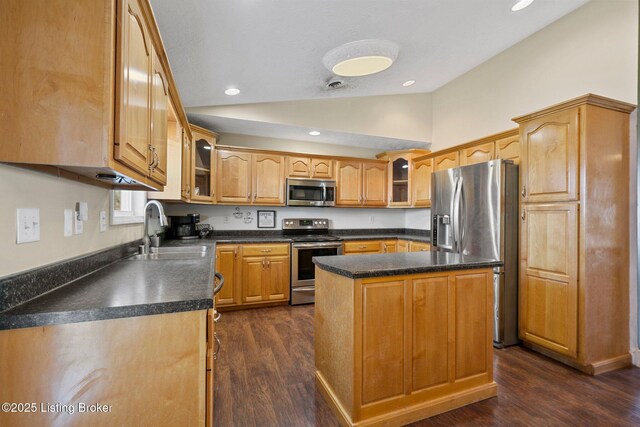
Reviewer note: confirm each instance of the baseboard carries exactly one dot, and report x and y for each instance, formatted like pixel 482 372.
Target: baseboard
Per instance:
pixel 635 357
pixel 408 414
pixel 596 368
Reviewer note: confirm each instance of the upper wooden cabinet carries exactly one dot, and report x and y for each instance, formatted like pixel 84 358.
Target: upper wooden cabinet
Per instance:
pixel 509 148
pixel 477 154
pixel 203 165
pixel 446 161
pixel 107 119
pixel 550 157
pixel 400 179
pixel 307 167
pixel 361 183
pixel 422 170
pixel 250 178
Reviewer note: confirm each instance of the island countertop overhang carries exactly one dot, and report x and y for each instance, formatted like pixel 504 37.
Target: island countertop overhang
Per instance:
pixel 382 265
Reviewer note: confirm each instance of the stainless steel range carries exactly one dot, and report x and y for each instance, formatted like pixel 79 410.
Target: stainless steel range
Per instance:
pixel 310 237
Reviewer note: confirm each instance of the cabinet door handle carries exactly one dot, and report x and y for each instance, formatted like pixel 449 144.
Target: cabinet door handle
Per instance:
pixel 362 247
pixel 255 196
pixel 266 250
pixel 218 346
pixel 263 260
pixel 524 191
pixel 268 263
pixel 248 196
pixel 524 214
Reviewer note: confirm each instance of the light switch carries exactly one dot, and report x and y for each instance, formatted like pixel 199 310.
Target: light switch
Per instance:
pixel 83 211
pixel 77 225
pixel 68 222
pixel 28 225
pixel 103 221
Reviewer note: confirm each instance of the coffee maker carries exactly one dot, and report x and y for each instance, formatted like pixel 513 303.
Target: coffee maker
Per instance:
pixel 184 227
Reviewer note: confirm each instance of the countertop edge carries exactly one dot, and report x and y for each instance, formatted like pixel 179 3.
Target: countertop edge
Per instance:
pixel 407 271
pixel 31 320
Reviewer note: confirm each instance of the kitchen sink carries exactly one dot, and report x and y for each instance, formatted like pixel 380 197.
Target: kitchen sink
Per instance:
pixel 174 253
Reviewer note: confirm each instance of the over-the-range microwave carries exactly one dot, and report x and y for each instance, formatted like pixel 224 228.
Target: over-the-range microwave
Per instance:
pixel 311 192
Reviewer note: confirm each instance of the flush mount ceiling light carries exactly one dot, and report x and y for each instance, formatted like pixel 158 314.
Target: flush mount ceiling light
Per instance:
pixel 408 83
pixel 361 58
pixel 521 4
pixel 232 91
pixel 314 133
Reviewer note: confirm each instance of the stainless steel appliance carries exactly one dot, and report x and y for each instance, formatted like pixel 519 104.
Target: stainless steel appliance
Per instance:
pixel 311 192
pixel 310 237
pixel 184 227
pixel 474 211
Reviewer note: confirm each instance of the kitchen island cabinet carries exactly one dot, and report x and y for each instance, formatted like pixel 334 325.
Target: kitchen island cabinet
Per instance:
pixel 401 337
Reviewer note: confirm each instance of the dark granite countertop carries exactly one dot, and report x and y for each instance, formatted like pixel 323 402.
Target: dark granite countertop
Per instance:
pixel 127 288
pixel 383 236
pixel 380 265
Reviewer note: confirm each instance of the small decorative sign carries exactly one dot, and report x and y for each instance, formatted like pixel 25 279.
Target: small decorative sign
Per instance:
pixel 266 219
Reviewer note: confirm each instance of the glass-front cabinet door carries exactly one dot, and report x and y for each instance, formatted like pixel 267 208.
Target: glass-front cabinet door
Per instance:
pixel 400 189
pixel 202 165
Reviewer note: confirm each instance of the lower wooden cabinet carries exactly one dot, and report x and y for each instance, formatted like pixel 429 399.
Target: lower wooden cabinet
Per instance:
pixel 359 247
pixel 253 274
pixel 549 277
pixel 419 246
pixel 228 264
pixel 151 370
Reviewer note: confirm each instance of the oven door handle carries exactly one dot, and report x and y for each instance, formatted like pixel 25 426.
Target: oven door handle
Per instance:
pixel 316 245
pixel 304 288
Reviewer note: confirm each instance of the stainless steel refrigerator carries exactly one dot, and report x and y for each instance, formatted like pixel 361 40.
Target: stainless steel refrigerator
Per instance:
pixel 474 211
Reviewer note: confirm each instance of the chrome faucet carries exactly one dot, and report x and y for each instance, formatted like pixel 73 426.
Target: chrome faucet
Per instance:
pixel 161 219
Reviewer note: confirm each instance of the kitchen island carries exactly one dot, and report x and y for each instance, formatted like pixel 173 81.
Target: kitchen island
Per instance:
pixel 401 337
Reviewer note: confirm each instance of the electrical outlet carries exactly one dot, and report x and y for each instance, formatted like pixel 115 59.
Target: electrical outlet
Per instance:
pixel 370 219
pixel 103 221
pixel 28 225
pixel 68 222
pixel 225 219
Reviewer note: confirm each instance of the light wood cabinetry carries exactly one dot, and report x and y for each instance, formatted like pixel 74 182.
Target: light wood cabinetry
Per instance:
pixel 477 154
pixel 402 245
pixel 228 264
pixel 401 175
pixel 250 178
pixel 446 161
pixel 153 370
pixel 419 246
pixel 574 290
pixel 389 246
pixel 393 350
pixel 173 189
pixel 203 165
pixel 307 167
pixel 508 148
pixel 106 121
pixel 361 183
pixel 422 171
pixel 356 247
pixel 265 277
pixel 187 158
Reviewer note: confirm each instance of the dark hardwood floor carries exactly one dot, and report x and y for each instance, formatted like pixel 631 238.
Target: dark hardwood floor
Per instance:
pixel 264 377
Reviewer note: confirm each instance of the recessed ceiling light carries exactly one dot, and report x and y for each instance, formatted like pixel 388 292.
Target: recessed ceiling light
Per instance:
pixel 408 83
pixel 232 91
pixel 361 58
pixel 521 4
pixel 314 133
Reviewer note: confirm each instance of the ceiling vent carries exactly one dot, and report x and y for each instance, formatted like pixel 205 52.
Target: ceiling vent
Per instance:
pixel 335 84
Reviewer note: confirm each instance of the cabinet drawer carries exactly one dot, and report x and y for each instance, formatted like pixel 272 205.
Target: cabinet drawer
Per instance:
pixel 362 246
pixel 265 250
pixel 419 247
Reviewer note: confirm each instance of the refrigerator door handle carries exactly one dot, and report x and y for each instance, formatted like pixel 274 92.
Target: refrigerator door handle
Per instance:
pixel 454 218
pixel 457 223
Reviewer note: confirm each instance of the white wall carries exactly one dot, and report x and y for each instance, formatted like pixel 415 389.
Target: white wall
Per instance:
pixel 295 146
pixel 22 188
pixel 592 50
pixel 393 116
pixel 221 217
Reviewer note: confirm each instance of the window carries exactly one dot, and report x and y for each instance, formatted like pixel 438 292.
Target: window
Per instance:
pixel 127 207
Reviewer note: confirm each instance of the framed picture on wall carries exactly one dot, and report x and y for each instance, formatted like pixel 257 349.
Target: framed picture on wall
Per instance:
pixel 266 219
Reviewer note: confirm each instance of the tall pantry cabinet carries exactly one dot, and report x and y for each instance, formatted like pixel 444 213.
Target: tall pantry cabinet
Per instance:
pixel 574 269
